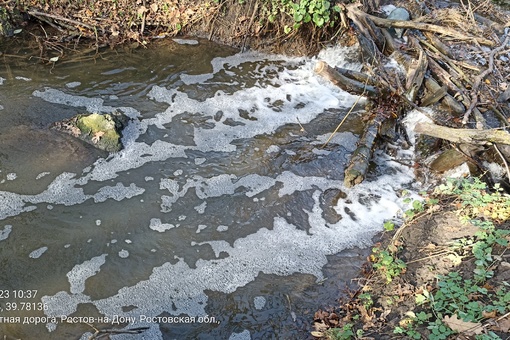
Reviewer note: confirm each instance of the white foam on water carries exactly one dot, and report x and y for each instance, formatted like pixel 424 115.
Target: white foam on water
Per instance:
pixel 273 149
pixel 222 228
pixel 290 249
pixel 64 190
pixel 38 252
pixel 200 160
pixel 23 78
pixel 73 84
pixel 156 225
pixel 201 208
pixel 244 335
pixel 11 176
pixel 200 228
pixel 276 246
pixel 59 97
pixel 259 302
pixel 81 272
pixel 4 233
pixel 118 192
pixel 42 174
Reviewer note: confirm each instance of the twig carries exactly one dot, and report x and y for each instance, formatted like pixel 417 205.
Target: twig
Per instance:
pixel 481 76
pixel 504 160
pixel 248 28
pixel 343 120
pixel 417 25
pixel 57 17
pixel 431 256
pixel 106 332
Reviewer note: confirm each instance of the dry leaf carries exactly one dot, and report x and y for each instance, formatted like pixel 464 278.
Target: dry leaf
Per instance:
pixel 142 10
pixel 404 323
pixel 455 258
pixel 317 334
pixel 489 315
pixel 502 325
pixel 97 136
pixel 462 326
pixel 154 8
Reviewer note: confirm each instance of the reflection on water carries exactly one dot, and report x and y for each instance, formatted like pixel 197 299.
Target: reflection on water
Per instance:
pixel 223 217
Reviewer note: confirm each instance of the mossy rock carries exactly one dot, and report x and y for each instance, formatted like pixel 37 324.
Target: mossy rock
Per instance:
pixel 101 130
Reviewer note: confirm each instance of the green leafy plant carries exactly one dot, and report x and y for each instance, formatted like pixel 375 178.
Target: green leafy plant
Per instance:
pixel 476 199
pixel 389 226
pixel 387 264
pixel 366 300
pixel 344 333
pixel 438 330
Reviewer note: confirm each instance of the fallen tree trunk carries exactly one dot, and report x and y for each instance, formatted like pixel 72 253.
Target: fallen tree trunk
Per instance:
pixel 345 83
pixel 357 169
pixel 478 137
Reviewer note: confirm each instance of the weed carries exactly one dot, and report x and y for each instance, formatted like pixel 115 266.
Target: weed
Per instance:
pixel 387 264
pixel 344 333
pixel 476 199
pixel 366 300
pixel 318 12
pixel 389 226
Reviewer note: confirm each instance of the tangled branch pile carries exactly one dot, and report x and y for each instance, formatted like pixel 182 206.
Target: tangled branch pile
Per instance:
pixel 453 60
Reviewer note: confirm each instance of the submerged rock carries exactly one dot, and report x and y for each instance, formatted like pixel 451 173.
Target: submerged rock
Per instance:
pixel 101 130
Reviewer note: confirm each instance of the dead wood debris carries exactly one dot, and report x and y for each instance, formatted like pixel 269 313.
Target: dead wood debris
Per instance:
pixel 454 61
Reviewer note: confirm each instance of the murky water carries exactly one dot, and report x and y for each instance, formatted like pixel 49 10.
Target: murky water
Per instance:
pixel 223 217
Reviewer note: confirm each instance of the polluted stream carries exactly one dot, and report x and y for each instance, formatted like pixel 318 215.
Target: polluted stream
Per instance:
pixel 224 217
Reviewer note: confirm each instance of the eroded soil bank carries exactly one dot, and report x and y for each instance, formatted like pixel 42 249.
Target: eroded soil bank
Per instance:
pixel 270 26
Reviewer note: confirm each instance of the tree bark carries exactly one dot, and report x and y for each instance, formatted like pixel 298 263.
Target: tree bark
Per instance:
pixel 471 136
pixel 345 83
pixel 357 169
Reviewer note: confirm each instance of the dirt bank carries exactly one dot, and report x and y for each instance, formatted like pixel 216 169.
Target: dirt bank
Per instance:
pixel 272 26
pixel 442 275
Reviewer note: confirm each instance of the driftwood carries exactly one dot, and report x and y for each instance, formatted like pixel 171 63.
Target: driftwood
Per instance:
pixel 477 137
pixel 435 73
pixel 357 168
pixel 345 83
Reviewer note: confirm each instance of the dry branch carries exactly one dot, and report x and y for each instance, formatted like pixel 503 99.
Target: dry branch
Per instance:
pixel 418 26
pixel 415 73
pixel 481 76
pixel 345 83
pixel 58 17
pixel 470 136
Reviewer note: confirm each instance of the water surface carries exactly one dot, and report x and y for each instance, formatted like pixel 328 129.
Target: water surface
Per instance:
pixel 223 217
